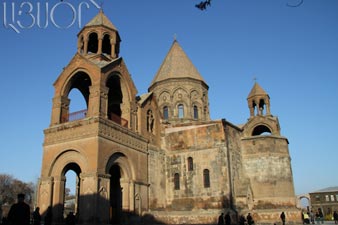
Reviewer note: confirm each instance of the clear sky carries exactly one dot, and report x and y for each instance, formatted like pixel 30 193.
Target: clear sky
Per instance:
pixel 292 51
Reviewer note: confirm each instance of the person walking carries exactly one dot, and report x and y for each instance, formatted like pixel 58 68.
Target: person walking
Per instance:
pixel 335 217
pixel 282 217
pixel 249 219
pixel 36 216
pixel 70 220
pixel 49 216
pixel 227 219
pixel 221 219
pixel 19 213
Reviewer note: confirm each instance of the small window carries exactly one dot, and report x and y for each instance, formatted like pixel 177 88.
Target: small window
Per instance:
pixel 177 181
pixel 317 197
pixel 337 198
pixel 327 198
pixel 206 178
pixel 165 112
pixel 195 112
pixel 180 111
pixel 332 198
pixel 190 164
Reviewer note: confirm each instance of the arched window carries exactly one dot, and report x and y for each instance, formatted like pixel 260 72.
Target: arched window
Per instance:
pixel 261 107
pixel 206 178
pixel 114 96
pixel 78 98
pixel 190 164
pixel 177 181
pixel 180 111
pixel 261 130
pixel 195 112
pixel 165 113
pixel 93 43
pixel 106 46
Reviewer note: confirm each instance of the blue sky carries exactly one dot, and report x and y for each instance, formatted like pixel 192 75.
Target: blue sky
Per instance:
pixel 293 53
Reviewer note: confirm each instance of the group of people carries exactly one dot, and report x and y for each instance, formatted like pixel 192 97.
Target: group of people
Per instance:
pixel 310 217
pixel 335 217
pixel 19 214
pixel 226 219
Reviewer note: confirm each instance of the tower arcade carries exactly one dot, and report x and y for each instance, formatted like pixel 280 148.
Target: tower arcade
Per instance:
pixel 98 143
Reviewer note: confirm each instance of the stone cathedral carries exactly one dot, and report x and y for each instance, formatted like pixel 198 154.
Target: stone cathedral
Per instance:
pixel 158 158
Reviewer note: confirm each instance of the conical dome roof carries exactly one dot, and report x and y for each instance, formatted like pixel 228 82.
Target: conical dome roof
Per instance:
pixel 101 20
pixel 176 65
pixel 256 90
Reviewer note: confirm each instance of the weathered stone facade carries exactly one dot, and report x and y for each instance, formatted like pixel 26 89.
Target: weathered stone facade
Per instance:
pixel 158 157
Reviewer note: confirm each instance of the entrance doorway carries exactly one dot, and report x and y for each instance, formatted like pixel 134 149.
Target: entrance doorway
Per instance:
pixel 115 195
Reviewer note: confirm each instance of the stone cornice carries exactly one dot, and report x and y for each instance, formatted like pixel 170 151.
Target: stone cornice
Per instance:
pixel 95 127
pixel 122 135
pixel 71 131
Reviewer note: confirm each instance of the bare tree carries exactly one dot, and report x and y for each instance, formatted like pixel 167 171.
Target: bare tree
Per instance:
pixel 203 5
pixel 11 187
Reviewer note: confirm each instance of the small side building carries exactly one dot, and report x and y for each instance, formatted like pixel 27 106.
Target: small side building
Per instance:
pixel 326 199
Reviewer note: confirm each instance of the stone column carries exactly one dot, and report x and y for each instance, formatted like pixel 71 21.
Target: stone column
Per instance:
pixel 113 43
pixel 45 193
pixel 103 198
pixel 94 101
pixel 132 196
pixel 268 107
pixel 58 198
pixel 125 194
pixel 59 110
pixel 99 50
pixel 85 47
pixel 104 102
pixel 88 205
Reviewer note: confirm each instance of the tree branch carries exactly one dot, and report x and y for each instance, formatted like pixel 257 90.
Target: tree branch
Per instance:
pixel 297 5
pixel 203 5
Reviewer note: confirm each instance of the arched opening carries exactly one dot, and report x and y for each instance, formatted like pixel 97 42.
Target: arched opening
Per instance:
pixel 254 106
pixel 305 203
pixel 261 107
pixel 206 178
pixel 190 164
pixel 195 112
pixel 177 181
pixel 106 46
pixel 93 43
pixel 115 195
pixel 114 97
pixel 165 113
pixel 77 101
pixel 180 111
pixel 78 95
pixel 261 130
pixel 72 189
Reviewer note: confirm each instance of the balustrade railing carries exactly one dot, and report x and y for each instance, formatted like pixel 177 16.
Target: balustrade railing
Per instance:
pixel 75 116
pixel 83 113
pixel 119 120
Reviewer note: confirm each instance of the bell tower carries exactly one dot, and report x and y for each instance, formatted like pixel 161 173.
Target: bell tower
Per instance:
pixel 99 143
pixel 99 37
pixel 266 158
pixel 257 100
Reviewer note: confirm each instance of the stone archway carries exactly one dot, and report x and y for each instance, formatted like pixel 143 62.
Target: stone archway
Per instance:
pixel 115 198
pixel 302 197
pixel 121 187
